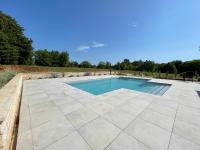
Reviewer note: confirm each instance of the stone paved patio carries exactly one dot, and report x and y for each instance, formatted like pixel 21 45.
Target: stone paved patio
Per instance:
pixel 56 116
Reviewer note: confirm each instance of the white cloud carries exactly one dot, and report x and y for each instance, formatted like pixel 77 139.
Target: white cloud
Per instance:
pixel 134 24
pixel 95 44
pixel 83 48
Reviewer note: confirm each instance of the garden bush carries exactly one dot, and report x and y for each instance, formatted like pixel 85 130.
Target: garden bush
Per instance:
pixel 6 76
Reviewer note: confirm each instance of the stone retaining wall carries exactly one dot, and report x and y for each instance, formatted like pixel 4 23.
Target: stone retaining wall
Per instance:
pixel 10 96
pixel 9 105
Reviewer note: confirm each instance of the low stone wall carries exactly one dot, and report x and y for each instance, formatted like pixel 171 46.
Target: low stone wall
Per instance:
pixel 10 96
pixel 9 104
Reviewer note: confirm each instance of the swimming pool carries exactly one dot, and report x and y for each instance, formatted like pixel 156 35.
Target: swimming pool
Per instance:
pixel 98 87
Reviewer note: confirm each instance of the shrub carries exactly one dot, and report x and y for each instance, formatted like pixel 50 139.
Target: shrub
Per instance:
pixel 87 74
pixel 6 76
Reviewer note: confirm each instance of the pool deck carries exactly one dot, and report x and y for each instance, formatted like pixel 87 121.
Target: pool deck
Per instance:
pixel 56 116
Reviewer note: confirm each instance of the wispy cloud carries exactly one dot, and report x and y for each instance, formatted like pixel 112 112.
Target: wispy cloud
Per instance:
pixel 95 44
pixel 83 48
pixel 134 24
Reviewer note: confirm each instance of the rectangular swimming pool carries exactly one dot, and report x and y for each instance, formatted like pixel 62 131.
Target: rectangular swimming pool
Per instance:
pixel 98 87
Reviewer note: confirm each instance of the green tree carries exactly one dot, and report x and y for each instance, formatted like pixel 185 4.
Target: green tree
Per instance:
pixel 55 55
pixel 117 66
pixel 74 64
pixel 85 64
pixel 51 58
pixel 63 59
pixel 42 58
pixel 15 47
pixel 108 64
pixel 148 66
pixel 126 65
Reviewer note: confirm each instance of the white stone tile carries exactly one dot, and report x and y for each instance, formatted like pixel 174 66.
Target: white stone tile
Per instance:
pixel 188 131
pixel 99 133
pixel 179 143
pixel 100 107
pixel 71 142
pixel 50 132
pixel 37 99
pixel 143 97
pixel 159 119
pixel 165 101
pixel 125 95
pixel 61 99
pixel 140 102
pixel 24 125
pixel 189 115
pixel 119 118
pixel 78 95
pixel 126 142
pixel 70 107
pixel 39 118
pixel 42 107
pixel 86 100
pixel 24 119
pixel 114 100
pixel 24 141
pixel 131 108
pixel 151 135
pixel 163 109
pixel 81 116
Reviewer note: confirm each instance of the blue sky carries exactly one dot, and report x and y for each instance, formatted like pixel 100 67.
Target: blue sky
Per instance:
pixel 94 30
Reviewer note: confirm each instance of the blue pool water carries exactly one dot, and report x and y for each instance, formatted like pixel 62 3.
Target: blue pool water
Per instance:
pixel 97 87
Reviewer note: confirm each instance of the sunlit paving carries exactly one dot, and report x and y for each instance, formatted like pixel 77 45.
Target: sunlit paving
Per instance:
pixel 99 75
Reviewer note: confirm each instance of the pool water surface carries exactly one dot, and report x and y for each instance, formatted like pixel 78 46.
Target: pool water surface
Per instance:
pixel 98 87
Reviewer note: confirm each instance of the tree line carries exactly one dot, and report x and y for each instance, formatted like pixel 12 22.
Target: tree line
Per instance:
pixel 174 67
pixel 16 48
pixel 52 58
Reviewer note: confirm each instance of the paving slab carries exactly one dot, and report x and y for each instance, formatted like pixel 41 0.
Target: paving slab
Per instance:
pixel 114 100
pixel 127 142
pixel 151 135
pixel 163 109
pixel 119 118
pixel 179 143
pixel 81 116
pixel 24 142
pixel 131 108
pixel 100 107
pixel 71 142
pixel 158 119
pixel 99 133
pixel 189 114
pixel 70 107
pixel 39 118
pixel 37 99
pixel 188 131
pixel 50 132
